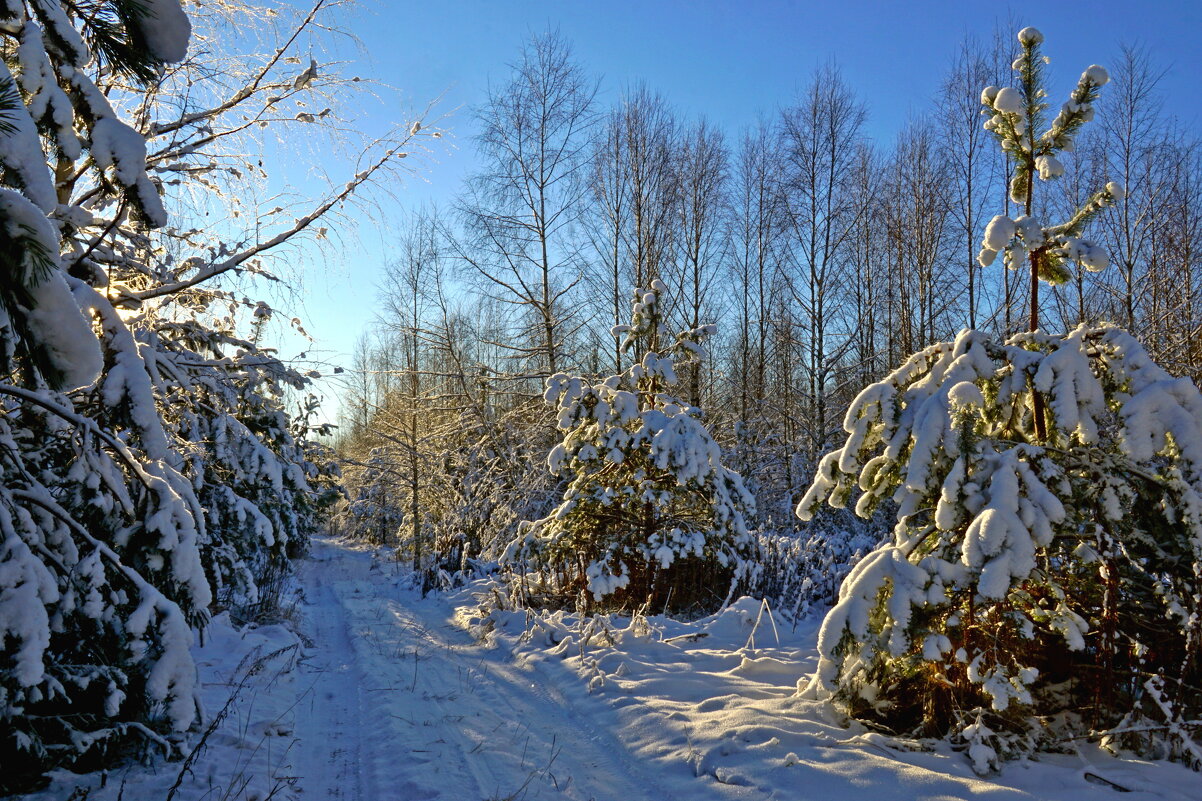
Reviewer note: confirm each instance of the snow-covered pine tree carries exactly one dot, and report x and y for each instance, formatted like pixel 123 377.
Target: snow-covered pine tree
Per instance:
pixel 232 410
pixel 100 569
pixel 650 513
pixel 149 467
pixel 1044 578
pixel 262 483
pixel 235 410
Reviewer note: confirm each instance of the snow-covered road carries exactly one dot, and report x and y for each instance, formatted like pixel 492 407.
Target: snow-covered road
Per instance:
pixel 390 697
pixel 400 702
pixel 403 704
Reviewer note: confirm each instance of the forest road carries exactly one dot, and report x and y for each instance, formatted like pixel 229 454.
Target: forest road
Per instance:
pixel 399 704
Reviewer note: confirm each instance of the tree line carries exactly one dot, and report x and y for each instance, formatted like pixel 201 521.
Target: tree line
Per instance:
pixel 824 257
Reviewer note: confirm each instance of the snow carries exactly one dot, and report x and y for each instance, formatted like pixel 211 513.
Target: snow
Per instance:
pixel 1029 227
pixel 21 149
pixel 1049 167
pixel 1086 253
pixel 999 233
pixel 382 694
pixel 1097 74
pixel 46 100
pixel 245 754
pixel 27 588
pixel 1009 101
pixel 114 144
pixel 55 322
pixel 1030 36
pixel 62 332
pixel 165 28
pixel 62 31
pixel 997 543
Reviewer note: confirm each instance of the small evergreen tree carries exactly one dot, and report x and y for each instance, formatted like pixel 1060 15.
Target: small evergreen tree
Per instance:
pixel 1045 571
pixel 263 485
pixel 650 514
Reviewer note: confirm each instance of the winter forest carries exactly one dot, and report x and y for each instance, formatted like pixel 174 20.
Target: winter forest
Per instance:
pixel 682 457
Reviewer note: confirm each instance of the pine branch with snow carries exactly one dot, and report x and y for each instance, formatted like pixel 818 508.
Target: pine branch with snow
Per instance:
pixel 1014 117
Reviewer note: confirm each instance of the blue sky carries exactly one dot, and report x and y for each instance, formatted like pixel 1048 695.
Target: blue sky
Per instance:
pixel 729 60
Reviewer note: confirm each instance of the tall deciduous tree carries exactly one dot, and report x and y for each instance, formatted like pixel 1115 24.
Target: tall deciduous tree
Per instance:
pixel 609 213
pixel 971 163
pixel 821 135
pixel 650 130
pixel 702 231
pixel 535 140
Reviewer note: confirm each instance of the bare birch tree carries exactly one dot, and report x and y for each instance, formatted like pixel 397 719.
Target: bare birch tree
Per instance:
pixel 820 137
pixel 519 211
pixel 702 242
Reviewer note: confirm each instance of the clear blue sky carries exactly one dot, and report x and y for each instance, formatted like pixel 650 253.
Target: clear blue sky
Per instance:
pixel 730 60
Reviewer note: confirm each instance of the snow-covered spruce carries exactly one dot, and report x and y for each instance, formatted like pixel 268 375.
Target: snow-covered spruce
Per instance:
pixel 146 464
pixel 1044 578
pixel 211 404
pixel 650 513
pixel 100 569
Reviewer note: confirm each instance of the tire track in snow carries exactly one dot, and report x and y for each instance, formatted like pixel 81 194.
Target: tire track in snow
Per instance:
pixel 407 706
pixel 335 759
pixel 544 735
pixel 328 764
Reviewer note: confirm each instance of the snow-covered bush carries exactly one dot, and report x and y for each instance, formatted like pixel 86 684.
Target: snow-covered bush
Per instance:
pixel 1045 571
pixel 480 475
pixel 374 510
pixel 650 513
pixel 799 571
pixel 492 478
pixel 263 484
